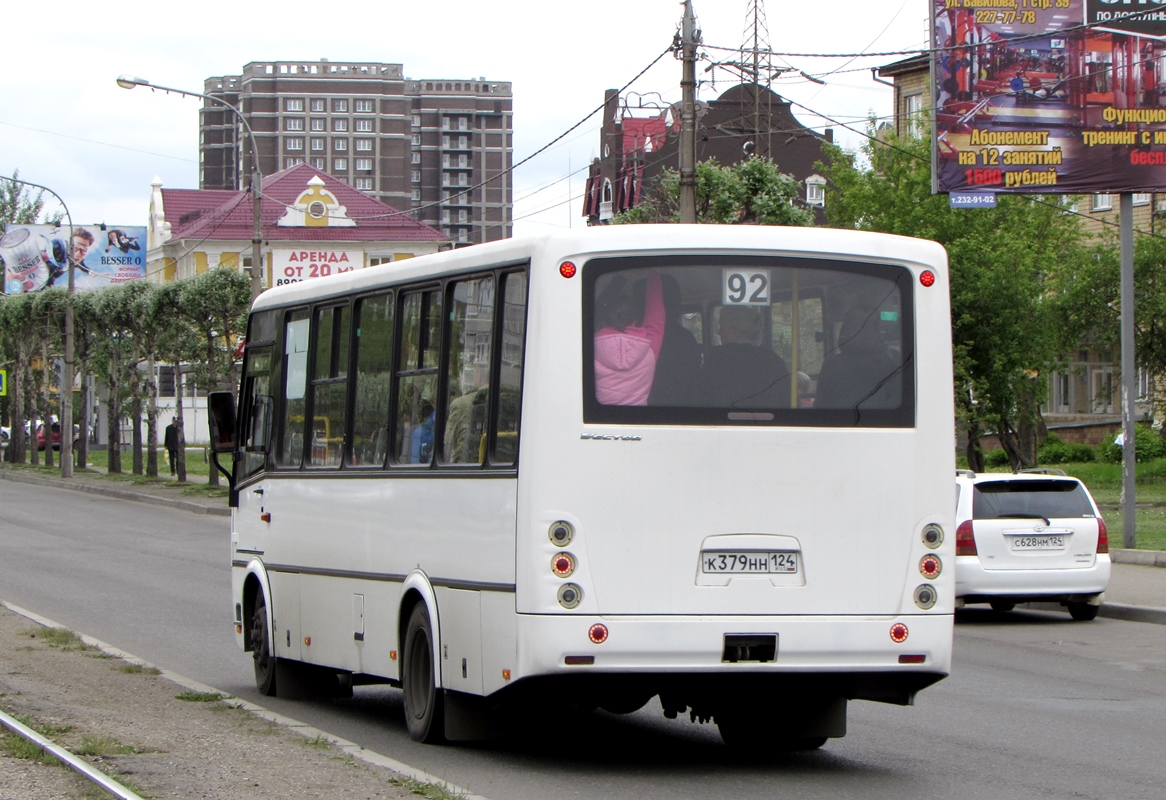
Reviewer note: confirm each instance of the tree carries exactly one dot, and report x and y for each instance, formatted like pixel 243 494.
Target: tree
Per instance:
pixel 753 191
pixel 18 205
pixel 1002 261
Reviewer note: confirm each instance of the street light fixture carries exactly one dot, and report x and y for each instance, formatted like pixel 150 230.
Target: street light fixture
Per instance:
pixel 256 187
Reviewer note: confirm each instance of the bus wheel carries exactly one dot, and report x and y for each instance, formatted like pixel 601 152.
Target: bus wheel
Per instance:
pixel 423 706
pixel 261 649
pixel 1001 606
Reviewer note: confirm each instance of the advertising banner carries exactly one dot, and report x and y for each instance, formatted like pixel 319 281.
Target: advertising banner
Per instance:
pixel 290 266
pixel 1050 96
pixel 38 256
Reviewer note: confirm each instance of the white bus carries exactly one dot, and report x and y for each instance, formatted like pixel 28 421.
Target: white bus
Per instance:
pixel 707 464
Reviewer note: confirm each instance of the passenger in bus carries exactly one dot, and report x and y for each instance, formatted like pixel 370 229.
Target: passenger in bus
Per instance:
pixel 421 439
pixel 740 372
pixel 861 371
pixel 628 336
pixel 677 381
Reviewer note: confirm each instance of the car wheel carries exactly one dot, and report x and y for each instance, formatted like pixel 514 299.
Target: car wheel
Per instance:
pixel 1001 606
pixel 261 650
pixel 1083 612
pixel 424 714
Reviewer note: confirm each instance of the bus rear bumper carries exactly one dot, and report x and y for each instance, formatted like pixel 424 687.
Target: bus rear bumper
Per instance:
pixel 822 648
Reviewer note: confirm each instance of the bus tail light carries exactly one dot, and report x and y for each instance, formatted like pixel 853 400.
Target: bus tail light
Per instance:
pixel 914 658
pixel 1102 537
pixel 925 596
pixel 563 564
pixel 930 566
pixel 965 540
pixel 598 633
pixel 570 595
pixel 927 278
pixel 898 633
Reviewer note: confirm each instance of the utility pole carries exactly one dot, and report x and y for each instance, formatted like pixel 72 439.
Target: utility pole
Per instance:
pixel 690 36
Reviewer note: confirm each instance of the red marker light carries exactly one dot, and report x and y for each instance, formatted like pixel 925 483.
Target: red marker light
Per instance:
pixel 563 564
pixel 898 633
pixel 927 277
pixel 567 269
pixel 598 633
pixel 930 566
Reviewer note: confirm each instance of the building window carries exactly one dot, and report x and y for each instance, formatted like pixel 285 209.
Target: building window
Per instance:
pixel 292 162
pixel 318 145
pixel 339 106
pixel 294 144
pixel 340 164
pixel 340 125
pixel 1142 199
pixel 293 124
pixel 913 114
pixel 416 139
pixel 339 145
pixel 319 125
pixel 318 106
pixel 363 125
pixel 463 124
pixel 416 158
pixel 415 121
pixel 364 184
pixel 1102 202
pixel 463 142
pixel 415 176
pixel 816 190
pixel 318 163
pixel 364 163
pixel 445 159
pixel 416 195
pixel 463 179
pixel 461 215
pixel 364 145
pixel 445 123
pixel 363 106
pixel 293 105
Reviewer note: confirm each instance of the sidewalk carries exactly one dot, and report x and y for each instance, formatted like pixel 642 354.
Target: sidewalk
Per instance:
pixel 1137 587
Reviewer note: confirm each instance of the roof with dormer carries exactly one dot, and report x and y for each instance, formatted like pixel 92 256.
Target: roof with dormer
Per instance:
pixel 216 214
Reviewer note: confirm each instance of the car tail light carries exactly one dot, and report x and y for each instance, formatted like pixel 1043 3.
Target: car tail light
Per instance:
pixel 965 540
pixel 1102 537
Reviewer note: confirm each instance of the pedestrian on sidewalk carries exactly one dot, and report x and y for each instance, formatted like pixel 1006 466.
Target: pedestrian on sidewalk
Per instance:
pixel 171 443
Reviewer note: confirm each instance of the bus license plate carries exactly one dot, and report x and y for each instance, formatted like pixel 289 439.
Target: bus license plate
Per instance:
pixel 1045 542
pixel 750 562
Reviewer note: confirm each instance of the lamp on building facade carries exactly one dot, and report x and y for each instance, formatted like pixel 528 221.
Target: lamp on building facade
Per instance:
pixel 256 187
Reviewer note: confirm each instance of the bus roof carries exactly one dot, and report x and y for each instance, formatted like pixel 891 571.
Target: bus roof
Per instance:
pixel 615 240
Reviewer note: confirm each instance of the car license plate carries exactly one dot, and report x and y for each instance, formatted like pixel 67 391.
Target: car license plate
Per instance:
pixel 1042 542
pixel 750 562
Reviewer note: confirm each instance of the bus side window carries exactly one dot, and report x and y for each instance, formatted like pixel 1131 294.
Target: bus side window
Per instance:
pixel 295 357
pixel 510 369
pixel 416 379
pixel 329 386
pixel 471 349
pixel 372 379
pixel 256 420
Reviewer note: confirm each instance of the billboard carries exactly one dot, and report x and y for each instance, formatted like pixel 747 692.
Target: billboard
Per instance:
pixel 38 256
pixel 292 266
pixel 1049 96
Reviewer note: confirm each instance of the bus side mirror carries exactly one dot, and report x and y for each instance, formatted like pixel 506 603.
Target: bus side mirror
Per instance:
pixel 222 421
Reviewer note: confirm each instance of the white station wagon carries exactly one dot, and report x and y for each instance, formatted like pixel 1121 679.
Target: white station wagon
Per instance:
pixel 1029 537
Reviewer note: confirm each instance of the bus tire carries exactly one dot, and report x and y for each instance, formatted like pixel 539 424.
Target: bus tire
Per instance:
pixel 261 654
pixel 423 701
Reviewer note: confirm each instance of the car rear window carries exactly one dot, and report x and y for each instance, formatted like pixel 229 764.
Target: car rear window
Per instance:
pixel 1030 500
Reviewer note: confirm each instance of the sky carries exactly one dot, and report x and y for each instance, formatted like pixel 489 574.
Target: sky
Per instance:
pixel 65 124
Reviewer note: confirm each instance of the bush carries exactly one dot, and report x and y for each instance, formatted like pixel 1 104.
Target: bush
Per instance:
pixel 996 458
pixel 1056 451
pixel 1148 443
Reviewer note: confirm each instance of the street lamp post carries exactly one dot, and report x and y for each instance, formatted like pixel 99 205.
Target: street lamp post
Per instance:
pixel 256 187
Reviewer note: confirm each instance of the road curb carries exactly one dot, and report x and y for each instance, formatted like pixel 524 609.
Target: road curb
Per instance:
pixel 1156 616
pixel 302 728
pixel 122 494
pixel 1145 558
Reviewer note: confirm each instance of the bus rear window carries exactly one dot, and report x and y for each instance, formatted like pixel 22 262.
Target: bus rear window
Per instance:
pixel 754 341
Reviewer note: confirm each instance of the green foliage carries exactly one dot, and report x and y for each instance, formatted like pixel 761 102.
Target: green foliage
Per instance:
pixel 18 204
pixel 1148 446
pixel 1001 262
pixel 1055 451
pixel 996 458
pixel 753 191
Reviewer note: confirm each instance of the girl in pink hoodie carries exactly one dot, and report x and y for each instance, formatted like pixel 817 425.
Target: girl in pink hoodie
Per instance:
pixel 625 352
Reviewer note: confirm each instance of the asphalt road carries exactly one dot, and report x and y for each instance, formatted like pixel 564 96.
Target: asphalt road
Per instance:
pixel 1038 706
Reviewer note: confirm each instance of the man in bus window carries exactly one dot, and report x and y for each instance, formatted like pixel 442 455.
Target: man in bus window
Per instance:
pixel 740 372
